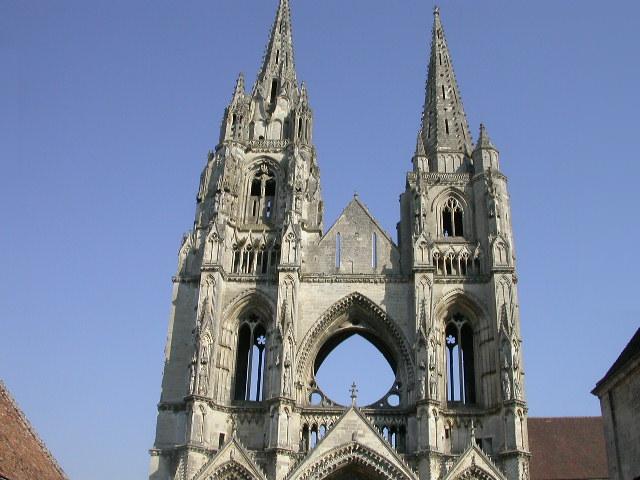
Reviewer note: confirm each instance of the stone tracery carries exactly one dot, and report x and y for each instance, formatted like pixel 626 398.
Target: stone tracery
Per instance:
pixel 262 294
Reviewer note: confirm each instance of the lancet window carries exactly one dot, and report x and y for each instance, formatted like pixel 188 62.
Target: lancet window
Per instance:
pixel 236 125
pixel 374 250
pixel 274 91
pixel 262 195
pixel 452 263
pixel 452 214
pixel 312 433
pixel 250 360
pixel 460 361
pixel 255 259
pixel 395 435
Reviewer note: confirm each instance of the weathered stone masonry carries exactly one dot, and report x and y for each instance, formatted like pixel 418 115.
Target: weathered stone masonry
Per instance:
pixel 263 293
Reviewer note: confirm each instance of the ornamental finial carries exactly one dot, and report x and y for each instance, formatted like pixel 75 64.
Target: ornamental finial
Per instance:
pixel 354 394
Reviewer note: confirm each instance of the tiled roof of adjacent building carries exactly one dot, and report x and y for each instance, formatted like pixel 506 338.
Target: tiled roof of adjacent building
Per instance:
pixel 567 448
pixel 23 456
pixel 630 352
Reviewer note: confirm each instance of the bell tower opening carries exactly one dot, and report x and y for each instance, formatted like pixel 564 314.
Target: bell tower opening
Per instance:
pixel 460 361
pixel 250 360
pixel 261 198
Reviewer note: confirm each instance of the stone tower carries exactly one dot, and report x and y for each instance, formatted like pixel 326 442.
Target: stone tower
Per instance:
pixel 263 294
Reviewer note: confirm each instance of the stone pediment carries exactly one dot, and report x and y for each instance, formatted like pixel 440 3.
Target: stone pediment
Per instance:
pixel 357 213
pixel 231 462
pixel 353 440
pixel 474 464
pixel 355 244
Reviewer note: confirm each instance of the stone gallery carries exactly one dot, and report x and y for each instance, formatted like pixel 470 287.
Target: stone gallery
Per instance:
pixel 263 293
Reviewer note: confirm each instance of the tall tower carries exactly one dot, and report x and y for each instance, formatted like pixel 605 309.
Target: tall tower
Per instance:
pixel 263 294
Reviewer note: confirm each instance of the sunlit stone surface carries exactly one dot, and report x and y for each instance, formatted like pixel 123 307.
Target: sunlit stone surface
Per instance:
pixel 264 293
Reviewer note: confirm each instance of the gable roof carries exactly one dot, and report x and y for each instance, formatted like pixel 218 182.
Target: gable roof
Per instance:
pixel 353 434
pixel 233 456
pixel 475 460
pixel 567 448
pixel 356 203
pixel 629 354
pixel 23 456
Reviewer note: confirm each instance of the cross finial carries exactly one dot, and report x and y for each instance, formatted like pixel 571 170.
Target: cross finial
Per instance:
pixel 354 394
pixel 436 10
pixel 473 432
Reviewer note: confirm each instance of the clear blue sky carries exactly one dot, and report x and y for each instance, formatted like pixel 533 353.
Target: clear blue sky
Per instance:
pixel 108 109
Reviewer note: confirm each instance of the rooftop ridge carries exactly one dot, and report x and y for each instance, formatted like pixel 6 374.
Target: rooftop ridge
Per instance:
pixel 4 392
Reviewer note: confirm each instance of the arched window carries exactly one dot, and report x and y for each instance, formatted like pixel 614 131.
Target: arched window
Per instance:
pixel 250 360
pixel 262 194
pixel 452 219
pixel 236 259
pixel 236 126
pixel 460 362
pixel 374 250
pixel 256 259
pixel 274 91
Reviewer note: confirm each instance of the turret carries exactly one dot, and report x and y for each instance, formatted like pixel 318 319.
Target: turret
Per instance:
pixel 485 154
pixel 236 114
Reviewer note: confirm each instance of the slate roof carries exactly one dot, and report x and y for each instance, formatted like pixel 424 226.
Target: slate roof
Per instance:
pixel 23 456
pixel 630 352
pixel 567 448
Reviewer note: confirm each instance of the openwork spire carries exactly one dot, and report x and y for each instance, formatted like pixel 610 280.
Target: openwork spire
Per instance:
pixel 278 59
pixel 444 123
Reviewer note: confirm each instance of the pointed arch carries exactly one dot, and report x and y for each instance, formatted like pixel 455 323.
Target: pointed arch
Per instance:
pixel 246 323
pixel 231 471
pixel 251 298
pixel 466 327
pixel 465 301
pixel 356 313
pixel 501 251
pixel 262 177
pixel 232 462
pixel 453 213
pixel 450 192
pixel 353 455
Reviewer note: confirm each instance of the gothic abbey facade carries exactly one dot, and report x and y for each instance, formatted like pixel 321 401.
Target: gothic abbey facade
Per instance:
pixel 263 293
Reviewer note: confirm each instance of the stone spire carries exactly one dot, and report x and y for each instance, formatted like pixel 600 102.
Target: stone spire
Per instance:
pixel 444 123
pixel 483 139
pixel 238 91
pixel 278 61
pixel 485 155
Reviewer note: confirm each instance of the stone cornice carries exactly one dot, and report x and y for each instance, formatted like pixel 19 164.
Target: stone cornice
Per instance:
pixel 353 278
pixel 435 178
pixel 456 279
pixel 186 279
pixel 494 173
